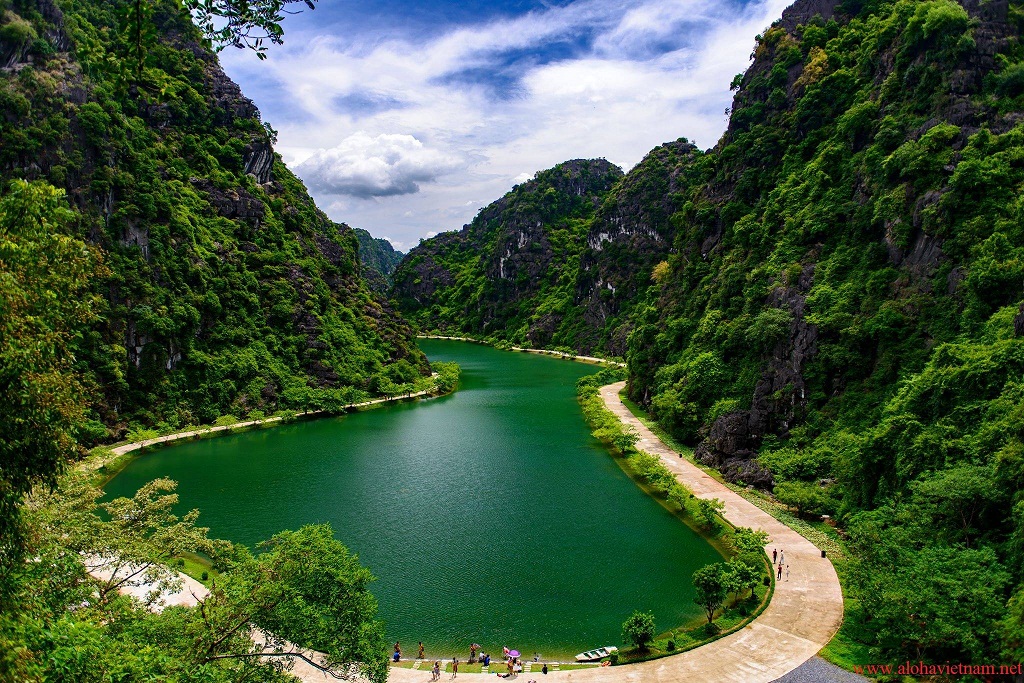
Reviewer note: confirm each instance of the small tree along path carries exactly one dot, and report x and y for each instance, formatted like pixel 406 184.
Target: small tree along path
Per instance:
pixel 804 613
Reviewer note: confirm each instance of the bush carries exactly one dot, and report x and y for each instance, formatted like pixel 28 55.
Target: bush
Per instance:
pixel 205 576
pixel 17 32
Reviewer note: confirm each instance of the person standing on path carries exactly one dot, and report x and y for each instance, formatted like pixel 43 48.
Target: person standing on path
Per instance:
pixel 787 572
pixel 455 667
pixel 437 670
pixel 782 557
pixel 775 555
pixel 420 655
pixel 398 651
pixel 544 669
pixel 780 572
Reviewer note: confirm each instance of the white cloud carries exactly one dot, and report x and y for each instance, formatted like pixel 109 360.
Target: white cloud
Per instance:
pixel 380 166
pixel 460 144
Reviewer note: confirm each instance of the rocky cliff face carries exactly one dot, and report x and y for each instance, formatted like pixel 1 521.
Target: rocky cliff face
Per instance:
pixel 631 233
pixel 229 291
pixel 490 277
pixel 841 167
pixel 378 259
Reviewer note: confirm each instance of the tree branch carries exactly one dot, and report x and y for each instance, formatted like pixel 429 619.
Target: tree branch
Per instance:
pixel 249 655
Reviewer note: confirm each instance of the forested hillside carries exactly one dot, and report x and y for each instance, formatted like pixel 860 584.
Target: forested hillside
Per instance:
pixel 222 287
pixel 512 272
pixel 839 317
pixel 159 266
pixel 379 260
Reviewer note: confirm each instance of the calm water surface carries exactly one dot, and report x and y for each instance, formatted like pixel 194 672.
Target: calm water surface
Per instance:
pixel 490 516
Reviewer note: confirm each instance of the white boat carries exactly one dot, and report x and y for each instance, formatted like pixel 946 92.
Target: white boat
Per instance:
pixel 593 655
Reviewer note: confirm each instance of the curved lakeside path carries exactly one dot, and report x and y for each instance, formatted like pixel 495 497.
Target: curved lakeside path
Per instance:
pixel 803 615
pixel 129 447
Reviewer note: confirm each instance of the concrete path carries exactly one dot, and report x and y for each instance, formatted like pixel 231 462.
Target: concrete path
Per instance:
pixel 804 613
pixel 128 448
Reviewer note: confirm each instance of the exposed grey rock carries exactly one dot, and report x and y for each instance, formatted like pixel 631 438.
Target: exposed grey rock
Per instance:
pixel 259 160
pixel 779 398
pixel 236 203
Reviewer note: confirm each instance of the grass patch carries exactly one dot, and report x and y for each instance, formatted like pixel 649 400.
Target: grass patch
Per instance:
pixel 196 565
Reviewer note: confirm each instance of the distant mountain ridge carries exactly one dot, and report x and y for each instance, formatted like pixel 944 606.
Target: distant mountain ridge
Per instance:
pixel 512 271
pixel 379 260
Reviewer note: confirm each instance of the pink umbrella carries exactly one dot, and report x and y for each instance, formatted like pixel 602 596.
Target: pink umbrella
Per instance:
pixel 513 653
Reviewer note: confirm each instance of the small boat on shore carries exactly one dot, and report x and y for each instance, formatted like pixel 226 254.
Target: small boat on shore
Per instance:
pixel 594 655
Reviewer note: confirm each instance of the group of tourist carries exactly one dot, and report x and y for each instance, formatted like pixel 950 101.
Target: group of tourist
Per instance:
pixel 779 558
pixel 512 662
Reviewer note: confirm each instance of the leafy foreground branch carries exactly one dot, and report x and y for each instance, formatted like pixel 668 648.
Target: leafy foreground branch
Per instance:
pixel 61 623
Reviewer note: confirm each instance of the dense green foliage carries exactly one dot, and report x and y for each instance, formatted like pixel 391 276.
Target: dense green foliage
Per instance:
pixel 843 306
pixel 512 273
pixel 558 262
pixel 379 260
pixel 64 625
pixel 181 275
pixel 227 290
pixel 45 305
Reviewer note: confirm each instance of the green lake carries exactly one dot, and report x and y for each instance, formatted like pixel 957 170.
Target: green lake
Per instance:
pixel 490 515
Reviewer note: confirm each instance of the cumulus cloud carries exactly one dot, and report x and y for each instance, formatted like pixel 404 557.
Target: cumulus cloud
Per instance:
pixel 384 165
pixel 430 131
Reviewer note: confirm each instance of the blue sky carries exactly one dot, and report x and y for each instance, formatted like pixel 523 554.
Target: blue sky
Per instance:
pixel 406 118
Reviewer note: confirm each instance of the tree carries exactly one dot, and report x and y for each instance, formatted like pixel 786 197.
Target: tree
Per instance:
pixel 954 498
pixel 242 23
pixel 639 629
pixel 748 540
pixel 803 496
pixel 711 583
pixel 625 440
pixel 745 575
pixel 304 596
pixel 45 304
pixel 927 600
pixel 709 509
pixel 141 538
pixel 305 588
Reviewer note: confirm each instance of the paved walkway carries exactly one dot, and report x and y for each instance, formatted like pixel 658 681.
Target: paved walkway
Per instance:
pixel 804 613
pixel 128 448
